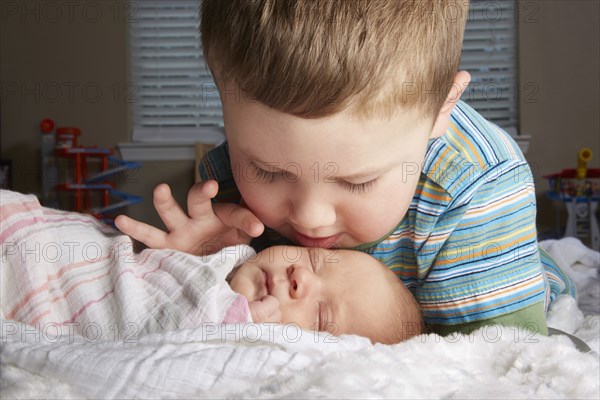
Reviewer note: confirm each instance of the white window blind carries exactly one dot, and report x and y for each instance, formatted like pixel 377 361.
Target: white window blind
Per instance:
pixel 490 55
pixel 177 100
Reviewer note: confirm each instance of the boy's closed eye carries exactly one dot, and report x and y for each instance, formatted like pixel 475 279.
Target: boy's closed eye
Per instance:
pixel 271 174
pixel 358 188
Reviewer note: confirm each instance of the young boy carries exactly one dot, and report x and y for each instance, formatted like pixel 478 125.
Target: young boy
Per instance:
pixel 344 129
pixel 65 272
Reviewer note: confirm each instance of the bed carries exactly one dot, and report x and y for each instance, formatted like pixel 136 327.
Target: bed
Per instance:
pixel 274 361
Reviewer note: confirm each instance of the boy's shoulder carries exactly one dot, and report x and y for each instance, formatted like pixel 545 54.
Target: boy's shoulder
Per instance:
pixel 488 143
pixel 472 147
pixel 215 165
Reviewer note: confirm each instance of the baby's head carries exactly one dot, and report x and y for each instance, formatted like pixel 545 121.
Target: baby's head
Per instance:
pixel 338 291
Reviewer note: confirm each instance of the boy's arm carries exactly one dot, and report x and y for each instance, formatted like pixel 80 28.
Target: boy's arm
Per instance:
pixel 532 318
pixel 487 270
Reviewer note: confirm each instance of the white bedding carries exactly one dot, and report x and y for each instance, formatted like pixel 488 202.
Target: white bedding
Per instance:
pixel 267 361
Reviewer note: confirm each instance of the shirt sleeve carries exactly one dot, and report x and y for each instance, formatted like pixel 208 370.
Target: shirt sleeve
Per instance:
pixel 483 261
pixel 532 318
pixel 216 165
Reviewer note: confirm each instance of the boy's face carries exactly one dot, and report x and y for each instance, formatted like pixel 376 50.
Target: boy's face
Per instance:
pixel 338 181
pixel 326 290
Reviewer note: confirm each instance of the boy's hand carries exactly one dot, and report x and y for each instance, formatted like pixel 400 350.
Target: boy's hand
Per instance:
pixel 207 229
pixel 265 310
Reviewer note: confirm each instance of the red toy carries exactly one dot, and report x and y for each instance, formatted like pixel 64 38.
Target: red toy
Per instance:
pixel 83 182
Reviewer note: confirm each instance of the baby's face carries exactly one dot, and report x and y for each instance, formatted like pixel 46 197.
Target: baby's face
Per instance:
pixel 338 291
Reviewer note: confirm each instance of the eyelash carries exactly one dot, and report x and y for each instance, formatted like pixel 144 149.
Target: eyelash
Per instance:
pixel 359 188
pixel 265 176
pixel 353 188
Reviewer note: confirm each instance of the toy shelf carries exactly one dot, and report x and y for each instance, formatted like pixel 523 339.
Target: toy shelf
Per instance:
pixel 91 169
pixel 579 190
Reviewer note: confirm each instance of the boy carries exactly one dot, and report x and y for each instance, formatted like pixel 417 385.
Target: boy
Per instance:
pixel 65 272
pixel 344 130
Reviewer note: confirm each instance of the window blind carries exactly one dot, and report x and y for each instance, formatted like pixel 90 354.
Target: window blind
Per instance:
pixel 490 56
pixel 176 97
pixel 177 100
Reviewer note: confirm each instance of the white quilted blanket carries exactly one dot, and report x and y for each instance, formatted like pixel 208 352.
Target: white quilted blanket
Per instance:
pixel 269 361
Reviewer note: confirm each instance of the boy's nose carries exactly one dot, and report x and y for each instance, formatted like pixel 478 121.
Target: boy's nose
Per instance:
pixel 302 282
pixel 311 212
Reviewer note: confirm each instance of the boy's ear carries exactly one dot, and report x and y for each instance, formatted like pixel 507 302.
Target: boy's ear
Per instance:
pixel 461 81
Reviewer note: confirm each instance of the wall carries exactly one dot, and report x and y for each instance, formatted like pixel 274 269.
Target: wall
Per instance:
pixel 64 67
pixel 70 63
pixel 559 54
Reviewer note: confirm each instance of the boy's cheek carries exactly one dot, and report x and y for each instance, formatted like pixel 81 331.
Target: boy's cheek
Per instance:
pixel 264 202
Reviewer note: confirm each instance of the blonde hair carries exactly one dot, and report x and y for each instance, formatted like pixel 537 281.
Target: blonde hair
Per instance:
pixel 314 58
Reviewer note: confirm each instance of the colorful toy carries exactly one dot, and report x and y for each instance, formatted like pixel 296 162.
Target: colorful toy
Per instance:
pixel 579 189
pixel 584 156
pixel 90 171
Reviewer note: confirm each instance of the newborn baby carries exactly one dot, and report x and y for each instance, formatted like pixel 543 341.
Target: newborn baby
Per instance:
pixel 68 272
pixel 338 291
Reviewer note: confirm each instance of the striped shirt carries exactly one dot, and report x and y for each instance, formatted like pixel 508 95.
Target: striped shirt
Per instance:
pixel 467 245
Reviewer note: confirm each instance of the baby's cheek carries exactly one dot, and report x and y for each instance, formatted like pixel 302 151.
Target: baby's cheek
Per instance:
pixel 298 316
pixel 243 287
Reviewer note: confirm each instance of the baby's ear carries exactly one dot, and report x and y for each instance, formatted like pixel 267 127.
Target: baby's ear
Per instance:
pixel 461 81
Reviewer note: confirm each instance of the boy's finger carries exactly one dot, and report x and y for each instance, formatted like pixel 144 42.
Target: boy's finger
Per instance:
pixel 147 234
pixel 167 207
pixel 240 218
pixel 199 204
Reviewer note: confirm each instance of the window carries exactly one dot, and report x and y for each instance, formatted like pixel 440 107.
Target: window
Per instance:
pixel 178 101
pixel 490 55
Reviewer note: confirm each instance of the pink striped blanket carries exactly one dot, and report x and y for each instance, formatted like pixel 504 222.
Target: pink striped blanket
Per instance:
pixel 68 274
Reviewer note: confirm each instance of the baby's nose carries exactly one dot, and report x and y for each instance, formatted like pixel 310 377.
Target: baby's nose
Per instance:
pixel 301 284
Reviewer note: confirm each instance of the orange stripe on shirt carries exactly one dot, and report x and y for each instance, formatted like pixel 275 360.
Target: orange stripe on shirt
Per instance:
pixel 485 251
pixel 469 144
pixel 432 308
